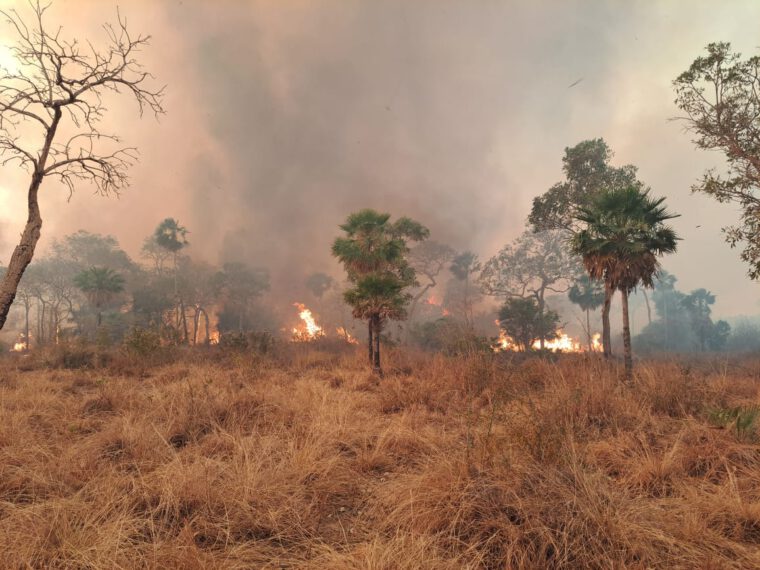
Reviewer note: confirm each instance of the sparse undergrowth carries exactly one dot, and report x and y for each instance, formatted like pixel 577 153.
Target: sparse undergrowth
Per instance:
pixel 301 459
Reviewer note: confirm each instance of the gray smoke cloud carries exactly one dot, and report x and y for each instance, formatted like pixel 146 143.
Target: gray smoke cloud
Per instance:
pixel 283 117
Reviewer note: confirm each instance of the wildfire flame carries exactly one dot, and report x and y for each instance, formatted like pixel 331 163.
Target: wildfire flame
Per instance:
pixel 436 302
pixel 214 337
pixel 563 343
pixel 346 335
pixel 308 329
pixel 21 344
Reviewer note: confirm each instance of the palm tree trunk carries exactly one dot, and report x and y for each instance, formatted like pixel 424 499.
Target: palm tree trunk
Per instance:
pixel 376 368
pixel 627 338
pixel 649 308
pixel 413 308
pixel 588 328
pixel 371 345
pixel 26 324
pixel 606 334
pixel 542 338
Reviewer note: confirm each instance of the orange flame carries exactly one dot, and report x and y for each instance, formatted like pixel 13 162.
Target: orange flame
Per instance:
pixel 21 344
pixel 346 335
pixel 563 343
pixel 432 300
pixel 214 337
pixel 309 329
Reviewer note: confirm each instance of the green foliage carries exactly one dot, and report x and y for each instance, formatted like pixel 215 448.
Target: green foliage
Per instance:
pixel 142 342
pixel 587 293
pixel 234 341
pixel 587 173
pixel 151 299
pixel 744 337
pixel 171 236
pixel 523 321
pixel 100 284
pixel 373 253
pixel 238 286
pixel 84 249
pixel 720 98
pixel 684 323
pixel 533 264
pixel 623 237
pixel 743 419
pixel 319 283
pixel 464 265
pixel 449 336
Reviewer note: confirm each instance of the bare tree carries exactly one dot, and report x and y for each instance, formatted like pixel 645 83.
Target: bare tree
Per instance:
pixel 428 259
pixel 534 264
pixel 50 111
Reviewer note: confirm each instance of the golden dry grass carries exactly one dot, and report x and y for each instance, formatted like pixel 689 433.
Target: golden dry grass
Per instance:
pixel 305 460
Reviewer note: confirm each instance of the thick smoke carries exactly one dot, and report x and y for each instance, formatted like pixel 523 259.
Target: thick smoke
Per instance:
pixel 283 117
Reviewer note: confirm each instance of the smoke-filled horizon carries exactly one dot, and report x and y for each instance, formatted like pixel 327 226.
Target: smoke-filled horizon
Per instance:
pixel 282 118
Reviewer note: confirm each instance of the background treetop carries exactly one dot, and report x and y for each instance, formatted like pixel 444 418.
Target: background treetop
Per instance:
pixel 587 172
pixel 719 96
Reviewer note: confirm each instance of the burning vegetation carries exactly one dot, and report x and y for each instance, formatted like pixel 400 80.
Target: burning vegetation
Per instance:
pixel 560 342
pixel 308 329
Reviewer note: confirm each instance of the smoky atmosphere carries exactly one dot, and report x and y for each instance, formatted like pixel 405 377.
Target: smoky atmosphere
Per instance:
pixel 360 284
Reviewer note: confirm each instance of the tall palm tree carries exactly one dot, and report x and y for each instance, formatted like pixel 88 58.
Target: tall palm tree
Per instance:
pixel 172 238
pixel 101 285
pixel 374 252
pixel 588 294
pixel 624 235
pixel 698 303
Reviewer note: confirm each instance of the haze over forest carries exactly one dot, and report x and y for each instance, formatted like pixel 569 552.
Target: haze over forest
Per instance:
pixel 284 117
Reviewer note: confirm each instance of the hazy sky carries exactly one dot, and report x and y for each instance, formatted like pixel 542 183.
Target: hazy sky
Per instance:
pixel 283 117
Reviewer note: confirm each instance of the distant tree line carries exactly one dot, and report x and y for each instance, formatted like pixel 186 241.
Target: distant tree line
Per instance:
pixel 88 286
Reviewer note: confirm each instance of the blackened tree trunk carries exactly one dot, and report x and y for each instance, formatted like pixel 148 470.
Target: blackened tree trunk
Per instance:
pixel 627 338
pixel 207 334
pixel 649 308
pixel 26 323
pixel 376 368
pixel 588 329
pixel 371 344
pixel 196 321
pixel 609 291
pixel 183 317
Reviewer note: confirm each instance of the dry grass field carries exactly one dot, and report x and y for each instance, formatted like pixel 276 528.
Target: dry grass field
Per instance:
pixel 302 459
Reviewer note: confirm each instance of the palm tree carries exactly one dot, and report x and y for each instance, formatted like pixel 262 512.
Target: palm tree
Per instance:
pixel 373 252
pixel 624 235
pixel 100 284
pixel 697 303
pixel 588 294
pixel 172 237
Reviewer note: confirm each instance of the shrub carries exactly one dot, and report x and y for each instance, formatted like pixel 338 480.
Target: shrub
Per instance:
pixel 142 342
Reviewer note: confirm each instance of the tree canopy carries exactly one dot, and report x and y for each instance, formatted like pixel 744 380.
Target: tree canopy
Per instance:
pixel 719 96
pixel 374 252
pixel 587 172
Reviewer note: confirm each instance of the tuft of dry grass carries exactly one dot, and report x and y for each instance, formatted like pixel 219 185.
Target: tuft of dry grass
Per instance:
pixel 302 459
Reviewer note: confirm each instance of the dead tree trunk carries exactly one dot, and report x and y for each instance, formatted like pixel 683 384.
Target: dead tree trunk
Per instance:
pixel 376 368
pixel 606 333
pixel 24 251
pixel 371 345
pixel 628 357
